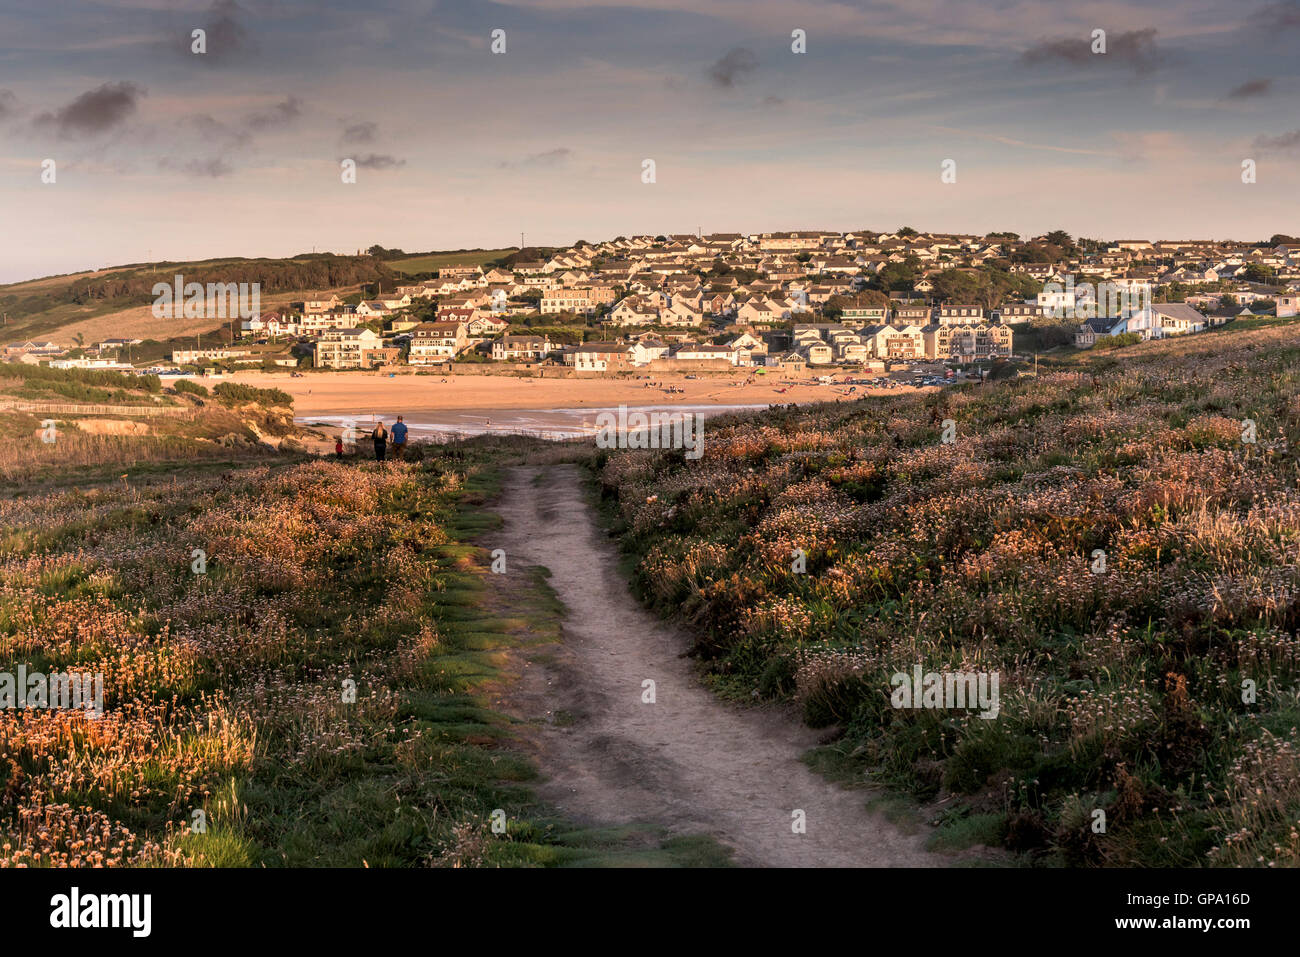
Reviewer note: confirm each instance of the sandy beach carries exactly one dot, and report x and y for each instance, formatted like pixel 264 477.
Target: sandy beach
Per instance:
pixel 366 394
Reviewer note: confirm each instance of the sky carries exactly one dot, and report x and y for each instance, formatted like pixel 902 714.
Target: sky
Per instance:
pixel 162 153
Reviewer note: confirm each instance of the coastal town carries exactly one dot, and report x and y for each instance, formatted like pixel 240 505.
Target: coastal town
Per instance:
pixel 794 302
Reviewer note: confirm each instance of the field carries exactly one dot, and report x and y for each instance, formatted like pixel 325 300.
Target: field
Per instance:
pixel 435 261
pixel 1118 540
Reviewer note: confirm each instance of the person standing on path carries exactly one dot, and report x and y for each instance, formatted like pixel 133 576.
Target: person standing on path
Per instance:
pixel 399 439
pixel 380 436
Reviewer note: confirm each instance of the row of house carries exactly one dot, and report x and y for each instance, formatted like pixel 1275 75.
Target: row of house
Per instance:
pixel 734 283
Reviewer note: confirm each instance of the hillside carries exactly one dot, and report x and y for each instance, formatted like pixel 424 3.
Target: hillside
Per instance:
pixel 425 263
pixel 117 301
pixel 67 426
pixel 1104 538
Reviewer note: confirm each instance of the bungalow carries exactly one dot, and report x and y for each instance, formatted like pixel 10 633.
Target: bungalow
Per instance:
pixel 418 291
pixel 185 357
pixel 483 324
pixel 459 272
pixel 1085 337
pixel 691 352
pixel 1162 319
pixel 646 351
pixel 599 356
pixel 1178 318
pixel 786 362
pixel 373 309
pixel 89 364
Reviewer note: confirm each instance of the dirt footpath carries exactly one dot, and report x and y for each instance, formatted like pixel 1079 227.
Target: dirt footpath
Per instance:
pixel 689 762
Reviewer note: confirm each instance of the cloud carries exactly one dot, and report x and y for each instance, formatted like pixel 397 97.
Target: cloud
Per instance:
pixel 549 158
pixel 226 36
pixel 8 104
pixel 1284 141
pixel 213 130
pixel 379 161
pixel 556 157
pixel 733 68
pixel 1169 146
pixel 1284 15
pixel 213 168
pixel 1251 88
pixel 282 114
pixel 96 111
pixel 1009 141
pixel 363 132
pixel 1137 48
pixel 773 101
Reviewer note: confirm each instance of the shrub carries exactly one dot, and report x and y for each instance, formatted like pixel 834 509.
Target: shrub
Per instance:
pixel 231 393
pixel 193 388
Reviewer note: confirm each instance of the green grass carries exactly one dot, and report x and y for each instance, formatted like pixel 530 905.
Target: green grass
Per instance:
pixel 435 261
pixel 425 760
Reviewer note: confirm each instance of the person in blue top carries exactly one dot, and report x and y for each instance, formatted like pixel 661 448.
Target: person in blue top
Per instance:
pixel 399 438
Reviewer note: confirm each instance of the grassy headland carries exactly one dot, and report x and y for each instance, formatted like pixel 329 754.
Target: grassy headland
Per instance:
pixel 299 656
pixel 1104 537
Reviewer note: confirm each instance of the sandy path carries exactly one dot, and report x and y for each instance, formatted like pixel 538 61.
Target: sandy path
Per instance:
pixel 689 762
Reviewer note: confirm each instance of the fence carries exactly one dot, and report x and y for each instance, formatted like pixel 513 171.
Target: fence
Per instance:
pixel 74 408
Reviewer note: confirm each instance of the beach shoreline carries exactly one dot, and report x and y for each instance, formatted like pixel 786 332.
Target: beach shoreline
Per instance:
pixel 368 393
